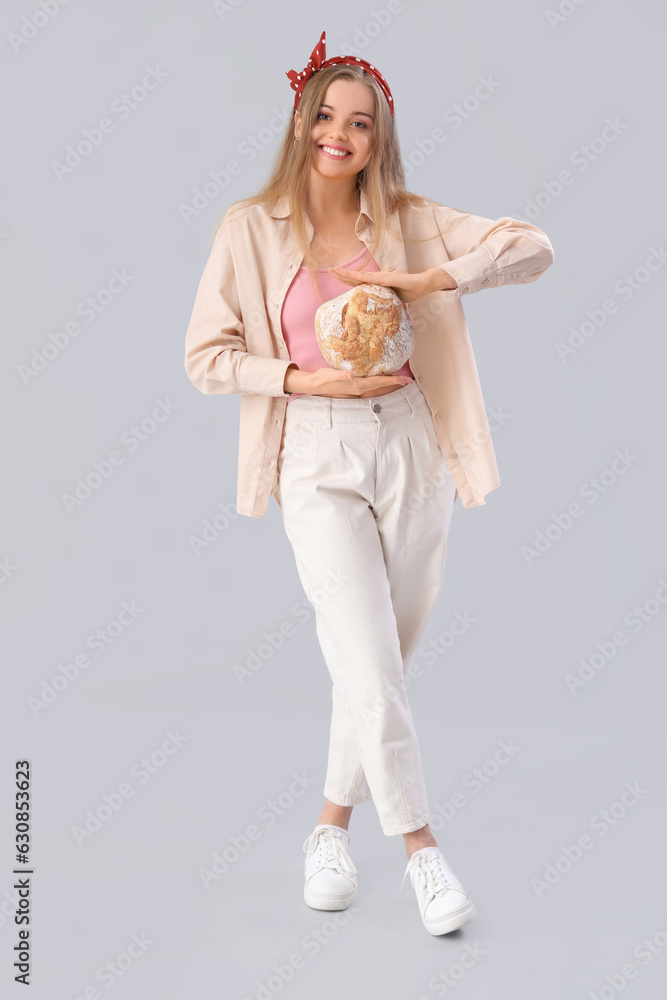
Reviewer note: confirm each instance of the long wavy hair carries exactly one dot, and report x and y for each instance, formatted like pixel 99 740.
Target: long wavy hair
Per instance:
pixel 382 179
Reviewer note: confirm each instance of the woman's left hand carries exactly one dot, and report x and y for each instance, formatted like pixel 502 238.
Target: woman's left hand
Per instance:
pixel 408 287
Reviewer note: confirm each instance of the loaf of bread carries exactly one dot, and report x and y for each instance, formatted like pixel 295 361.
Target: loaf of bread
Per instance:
pixel 366 330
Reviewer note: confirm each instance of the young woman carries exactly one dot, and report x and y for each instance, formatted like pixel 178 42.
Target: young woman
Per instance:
pixel 365 470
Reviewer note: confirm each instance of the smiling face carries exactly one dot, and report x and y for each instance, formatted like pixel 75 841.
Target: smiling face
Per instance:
pixel 342 135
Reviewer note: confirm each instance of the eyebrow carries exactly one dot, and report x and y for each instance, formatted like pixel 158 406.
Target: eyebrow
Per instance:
pixel 364 113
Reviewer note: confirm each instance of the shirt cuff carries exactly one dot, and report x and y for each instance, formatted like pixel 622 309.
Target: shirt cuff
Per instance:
pixel 265 376
pixel 473 271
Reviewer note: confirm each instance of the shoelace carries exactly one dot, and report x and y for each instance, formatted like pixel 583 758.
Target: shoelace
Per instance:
pixel 432 879
pixel 331 850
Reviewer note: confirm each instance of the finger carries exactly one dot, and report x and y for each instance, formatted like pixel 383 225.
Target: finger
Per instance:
pixel 349 277
pixel 372 277
pixel 345 270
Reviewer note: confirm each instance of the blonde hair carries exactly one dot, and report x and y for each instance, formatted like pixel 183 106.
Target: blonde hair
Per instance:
pixel 382 179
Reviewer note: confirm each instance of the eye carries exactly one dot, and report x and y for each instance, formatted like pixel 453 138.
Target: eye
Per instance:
pixel 323 114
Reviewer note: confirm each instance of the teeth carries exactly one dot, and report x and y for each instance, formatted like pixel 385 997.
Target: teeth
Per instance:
pixel 334 152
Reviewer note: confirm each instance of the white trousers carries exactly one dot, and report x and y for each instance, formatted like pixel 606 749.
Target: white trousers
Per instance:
pixel 367 500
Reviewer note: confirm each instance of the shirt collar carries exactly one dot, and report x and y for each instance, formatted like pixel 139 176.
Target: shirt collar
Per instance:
pixel 281 207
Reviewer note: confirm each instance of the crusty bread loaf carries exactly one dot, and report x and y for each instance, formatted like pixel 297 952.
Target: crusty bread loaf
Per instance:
pixel 366 330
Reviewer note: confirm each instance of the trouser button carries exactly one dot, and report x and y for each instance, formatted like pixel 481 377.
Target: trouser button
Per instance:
pixel 377 407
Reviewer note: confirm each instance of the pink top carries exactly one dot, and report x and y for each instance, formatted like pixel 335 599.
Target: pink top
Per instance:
pixel 298 316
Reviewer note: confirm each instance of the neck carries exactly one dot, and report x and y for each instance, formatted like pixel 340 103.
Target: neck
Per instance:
pixel 328 199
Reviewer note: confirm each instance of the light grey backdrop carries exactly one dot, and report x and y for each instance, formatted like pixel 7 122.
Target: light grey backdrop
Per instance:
pixel 560 838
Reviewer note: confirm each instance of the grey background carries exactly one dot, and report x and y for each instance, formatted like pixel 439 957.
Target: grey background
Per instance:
pixel 66 574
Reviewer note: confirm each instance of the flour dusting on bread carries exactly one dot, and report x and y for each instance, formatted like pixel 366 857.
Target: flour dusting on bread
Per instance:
pixel 366 330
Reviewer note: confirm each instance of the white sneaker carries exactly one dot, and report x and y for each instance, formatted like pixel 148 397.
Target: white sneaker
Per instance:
pixel 443 902
pixel 331 881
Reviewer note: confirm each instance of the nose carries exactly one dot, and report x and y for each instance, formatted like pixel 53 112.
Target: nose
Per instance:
pixel 336 129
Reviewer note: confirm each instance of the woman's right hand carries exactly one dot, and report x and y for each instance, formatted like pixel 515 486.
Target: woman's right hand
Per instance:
pixel 341 384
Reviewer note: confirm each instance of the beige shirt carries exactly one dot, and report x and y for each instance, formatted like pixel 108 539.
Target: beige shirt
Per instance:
pixel 234 342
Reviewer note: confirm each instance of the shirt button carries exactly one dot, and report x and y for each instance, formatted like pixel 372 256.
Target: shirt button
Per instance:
pixel 465 289
pixel 421 378
pixel 437 416
pixel 514 277
pixel 485 282
pixel 452 454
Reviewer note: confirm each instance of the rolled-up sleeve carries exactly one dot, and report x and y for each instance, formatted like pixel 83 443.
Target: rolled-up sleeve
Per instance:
pixel 486 253
pixel 216 359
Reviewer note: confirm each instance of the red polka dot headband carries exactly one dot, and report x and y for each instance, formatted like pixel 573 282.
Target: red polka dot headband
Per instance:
pixel 318 61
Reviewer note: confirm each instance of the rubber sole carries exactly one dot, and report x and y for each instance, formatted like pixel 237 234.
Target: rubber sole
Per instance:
pixel 452 921
pixel 318 901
